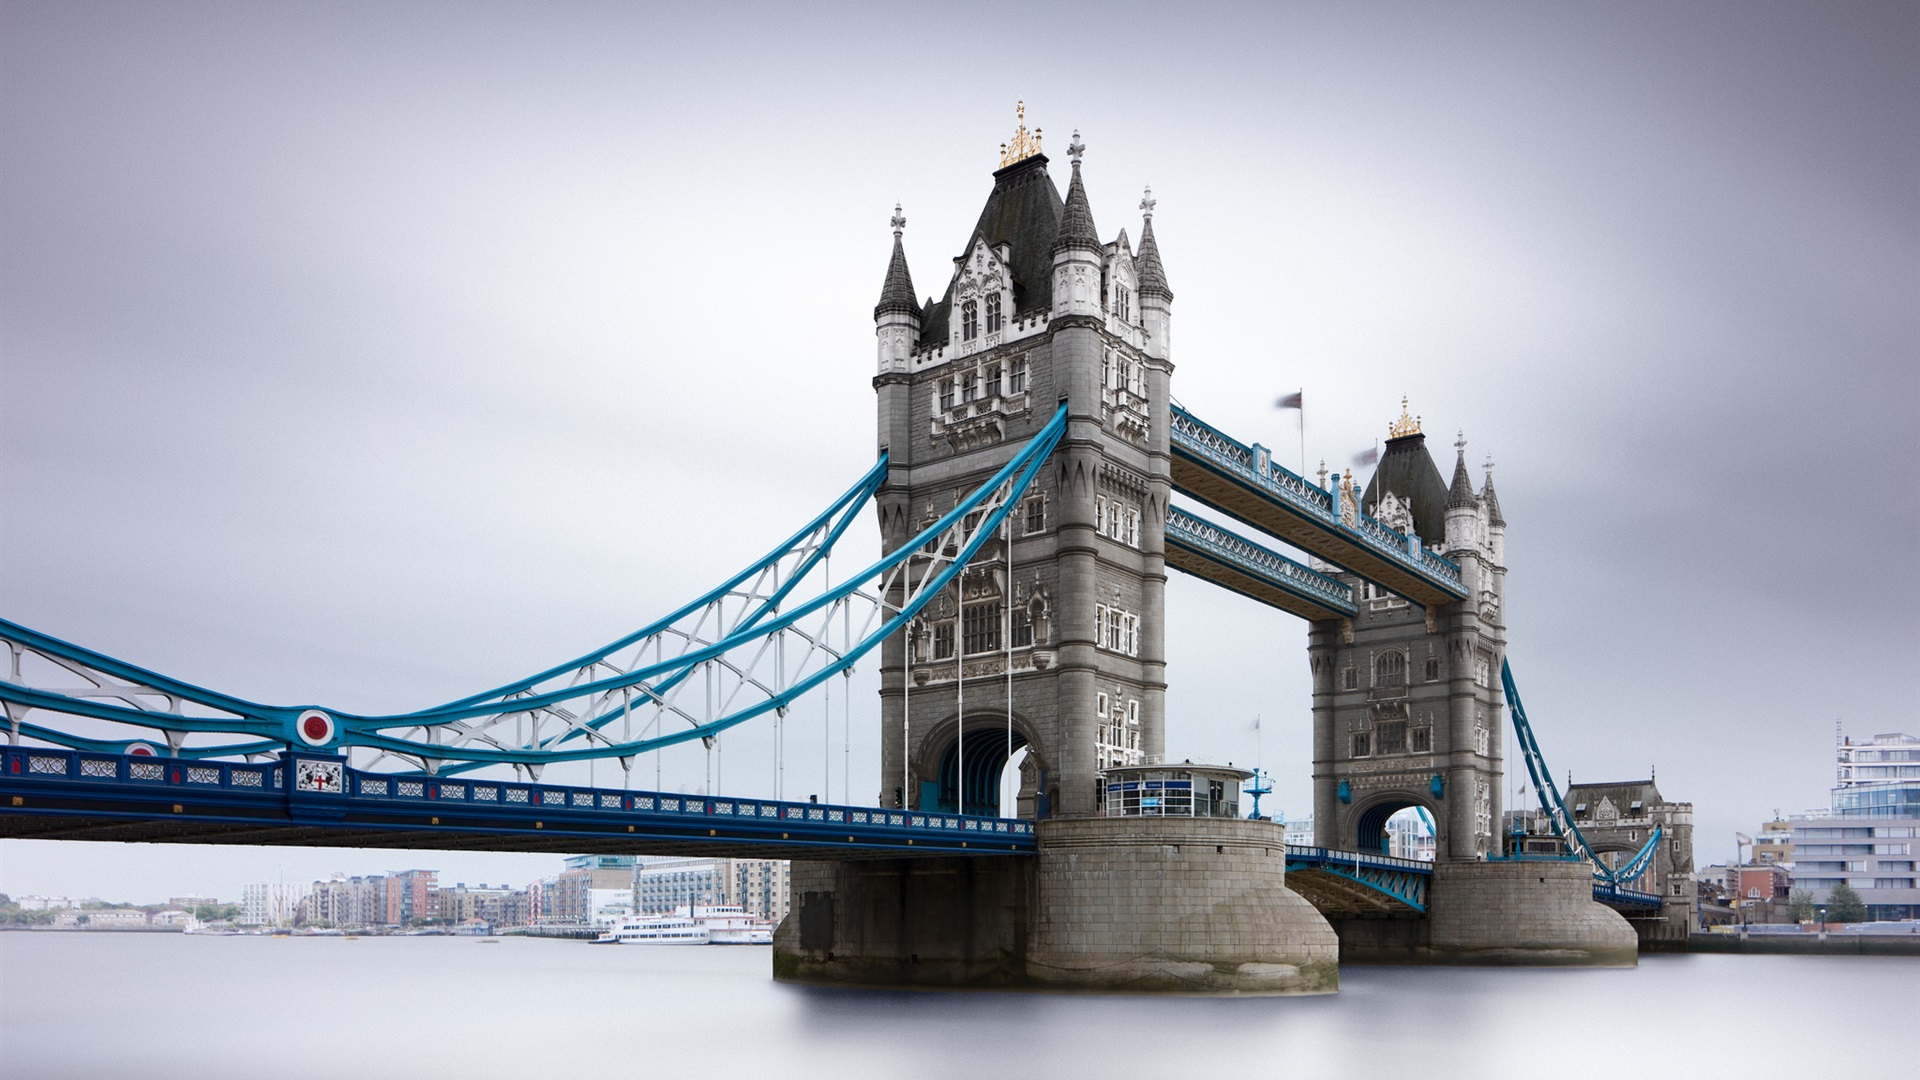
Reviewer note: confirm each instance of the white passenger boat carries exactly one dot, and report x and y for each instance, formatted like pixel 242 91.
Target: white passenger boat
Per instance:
pixel 720 924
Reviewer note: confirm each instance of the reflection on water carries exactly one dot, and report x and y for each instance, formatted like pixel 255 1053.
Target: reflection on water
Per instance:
pixel 169 1006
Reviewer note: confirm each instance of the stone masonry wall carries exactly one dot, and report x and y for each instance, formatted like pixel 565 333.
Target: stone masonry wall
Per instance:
pixel 1524 912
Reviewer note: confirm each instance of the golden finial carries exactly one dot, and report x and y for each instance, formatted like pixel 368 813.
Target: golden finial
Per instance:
pixel 1405 426
pixel 1024 145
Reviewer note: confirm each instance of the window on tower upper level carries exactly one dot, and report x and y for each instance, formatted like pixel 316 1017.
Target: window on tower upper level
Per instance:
pixel 970 320
pixel 1390 669
pixel 1017 376
pixel 1123 303
pixel 993 313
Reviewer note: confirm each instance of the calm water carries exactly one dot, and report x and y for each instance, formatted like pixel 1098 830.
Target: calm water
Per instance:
pixel 166 1006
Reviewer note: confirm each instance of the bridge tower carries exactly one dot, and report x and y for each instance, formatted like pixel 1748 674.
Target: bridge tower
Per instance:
pixel 1406 700
pixel 1038 311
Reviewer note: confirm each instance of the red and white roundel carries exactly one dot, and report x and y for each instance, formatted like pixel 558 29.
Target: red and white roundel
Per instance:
pixel 314 727
pixel 141 749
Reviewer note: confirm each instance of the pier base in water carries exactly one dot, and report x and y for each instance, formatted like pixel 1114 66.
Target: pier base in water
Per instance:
pixel 1150 905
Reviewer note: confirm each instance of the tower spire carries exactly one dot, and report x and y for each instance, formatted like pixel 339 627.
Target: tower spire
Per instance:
pixel 1461 493
pixel 1153 276
pixel 896 293
pixel 1076 218
pixel 1494 516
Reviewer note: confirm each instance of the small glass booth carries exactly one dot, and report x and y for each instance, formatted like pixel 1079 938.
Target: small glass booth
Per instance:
pixel 1183 790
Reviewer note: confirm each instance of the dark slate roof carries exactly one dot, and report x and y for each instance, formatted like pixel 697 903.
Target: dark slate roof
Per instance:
pixel 1076 219
pixel 1153 276
pixel 1023 211
pixel 1461 493
pixel 1624 795
pixel 896 293
pixel 1493 504
pixel 1407 470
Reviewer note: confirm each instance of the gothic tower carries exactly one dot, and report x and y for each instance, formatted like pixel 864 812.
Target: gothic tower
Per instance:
pixel 1038 312
pixel 1407 701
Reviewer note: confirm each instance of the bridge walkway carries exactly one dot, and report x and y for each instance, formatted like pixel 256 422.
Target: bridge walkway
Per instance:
pixel 1246 484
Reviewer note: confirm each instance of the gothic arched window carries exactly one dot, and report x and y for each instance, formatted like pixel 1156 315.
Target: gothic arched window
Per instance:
pixel 969 320
pixel 1390 669
pixel 993 313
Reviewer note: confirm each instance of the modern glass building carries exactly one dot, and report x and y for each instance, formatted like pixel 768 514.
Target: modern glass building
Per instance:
pixel 1868 837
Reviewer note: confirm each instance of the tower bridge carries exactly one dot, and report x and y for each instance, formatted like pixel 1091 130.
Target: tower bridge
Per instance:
pixel 1029 457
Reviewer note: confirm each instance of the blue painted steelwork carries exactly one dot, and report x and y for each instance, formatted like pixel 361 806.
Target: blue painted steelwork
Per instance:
pixel 1235 460
pixel 1212 542
pixel 596 691
pixel 1402 880
pixel 53 784
pixel 1615 896
pixel 1555 808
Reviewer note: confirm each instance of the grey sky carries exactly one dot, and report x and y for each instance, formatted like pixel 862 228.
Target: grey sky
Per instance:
pixel 371 354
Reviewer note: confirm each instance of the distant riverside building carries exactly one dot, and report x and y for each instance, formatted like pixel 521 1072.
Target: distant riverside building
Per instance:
pixel 269 904
pixel 189 903
pixel 412 897
pixel 345 902
pixel 489 904
pixel 100 919
pixel 760 886
pixel 1867 837
pixel 592 890
pixel 44 903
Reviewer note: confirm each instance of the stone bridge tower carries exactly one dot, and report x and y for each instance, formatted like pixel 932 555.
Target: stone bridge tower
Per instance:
pixel 1038 311
pixel 1407 700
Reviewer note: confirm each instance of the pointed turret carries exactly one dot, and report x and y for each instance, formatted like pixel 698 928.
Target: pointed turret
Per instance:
pixel 1156 299
pixel 1153 276
pixel 1077 250
pixel 1492 501
pixel 896 292
pixel 896 318
pixel 1077 232
pixel 1463 510
pixel 1460 494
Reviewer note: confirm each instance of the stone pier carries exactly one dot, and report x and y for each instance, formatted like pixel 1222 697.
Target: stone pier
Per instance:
pixel 1161 905
pixel 1520 912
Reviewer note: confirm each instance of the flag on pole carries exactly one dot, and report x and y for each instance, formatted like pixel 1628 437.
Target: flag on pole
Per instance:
pixel 1291 401
pixel 1366 457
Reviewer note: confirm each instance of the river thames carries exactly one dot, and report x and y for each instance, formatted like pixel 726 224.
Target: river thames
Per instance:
pixel 167 1006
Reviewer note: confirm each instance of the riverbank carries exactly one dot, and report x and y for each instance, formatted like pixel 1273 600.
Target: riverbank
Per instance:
pixel 1829 944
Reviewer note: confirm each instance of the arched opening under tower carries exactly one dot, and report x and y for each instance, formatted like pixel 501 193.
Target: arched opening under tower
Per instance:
pixel 989 752
pixel 1397 825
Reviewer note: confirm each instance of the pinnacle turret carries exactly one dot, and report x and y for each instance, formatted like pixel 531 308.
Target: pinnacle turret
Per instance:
pixel 1494 517
pixel 896 293
pixel 1153 276
pixel 1076 218
pixel 1461 493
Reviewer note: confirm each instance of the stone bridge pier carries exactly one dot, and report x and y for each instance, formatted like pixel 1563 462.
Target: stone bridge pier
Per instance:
pixel 1174 904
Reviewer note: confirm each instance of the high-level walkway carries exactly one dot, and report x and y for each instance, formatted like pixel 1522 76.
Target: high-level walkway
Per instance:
pixel 1237 480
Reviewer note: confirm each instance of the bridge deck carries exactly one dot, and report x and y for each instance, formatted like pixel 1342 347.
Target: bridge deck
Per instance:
pixel 75 795
pixel 1229 476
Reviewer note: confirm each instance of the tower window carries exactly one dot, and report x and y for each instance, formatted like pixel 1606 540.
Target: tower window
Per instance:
pixel 1393 737
pixel 1106 369
pixel 1353 679
pixel 970 385
pixel 980 631
pixel 943 641
pixel 993 380
pixel 1017 377
pixel 1022 628
pixel 1360 744
pixel 993 313
pixel 1433 668
pixel 1422 740
pixel 946 394
pixel 1036 514
pixel 1123 303
pixel 1390 670
pixel 969 320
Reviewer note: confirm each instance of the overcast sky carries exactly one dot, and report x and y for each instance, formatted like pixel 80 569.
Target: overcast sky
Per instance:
pixel 370 355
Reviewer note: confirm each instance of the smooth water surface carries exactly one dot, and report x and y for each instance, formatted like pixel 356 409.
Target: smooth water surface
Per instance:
pixel 167 1006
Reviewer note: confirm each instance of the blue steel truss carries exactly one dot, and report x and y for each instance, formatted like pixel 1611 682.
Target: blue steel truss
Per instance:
pixel 1402 880
pixel 746 648
pixel 1555 808
pixel 1262 564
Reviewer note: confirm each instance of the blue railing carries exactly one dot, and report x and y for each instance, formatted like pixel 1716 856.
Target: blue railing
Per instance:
pixel 1210 539
pixel 124 784
pixel 1200 439
pixel 1404 880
